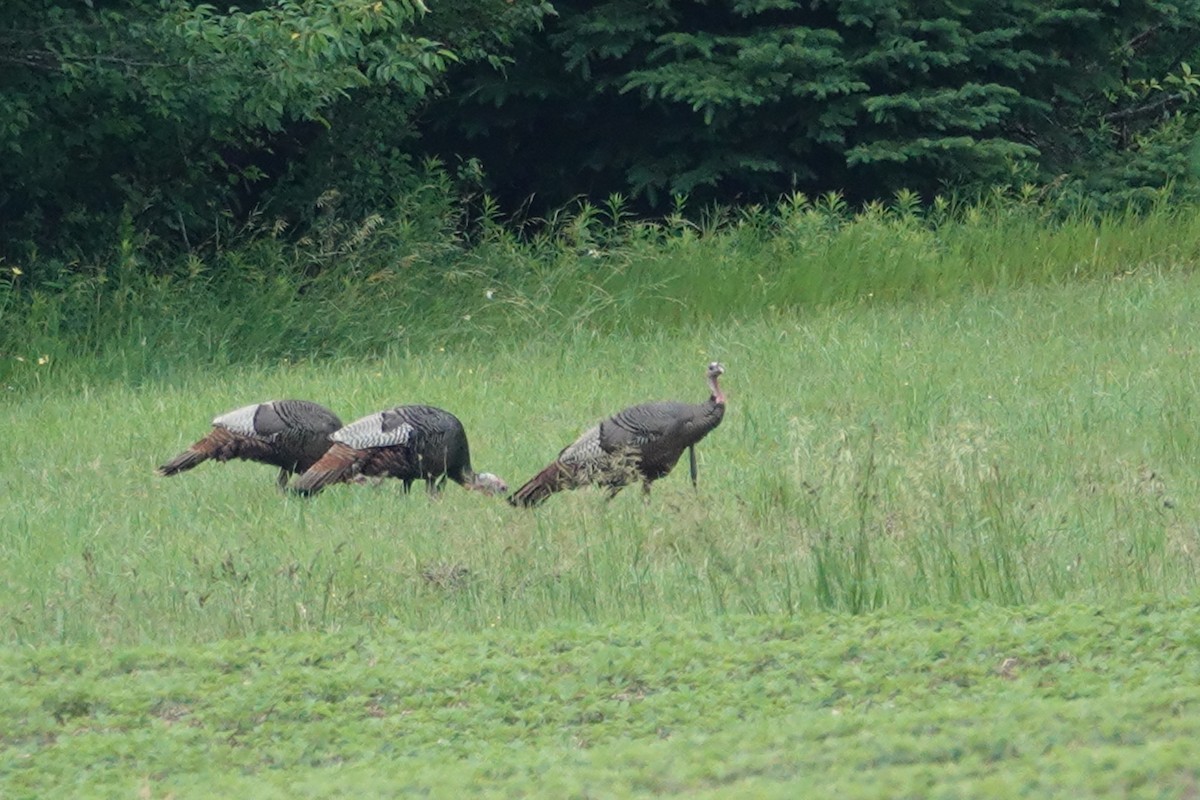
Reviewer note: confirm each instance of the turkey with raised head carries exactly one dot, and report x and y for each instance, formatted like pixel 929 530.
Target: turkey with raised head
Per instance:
pixel 289 434
pixel 406 442
pixel 643 441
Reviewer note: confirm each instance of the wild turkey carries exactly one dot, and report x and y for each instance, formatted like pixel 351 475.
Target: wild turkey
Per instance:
pixel 642 441
pixel 405 442
pixel 289 434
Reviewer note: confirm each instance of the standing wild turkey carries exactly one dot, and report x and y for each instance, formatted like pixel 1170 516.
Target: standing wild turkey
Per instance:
pixel 289 434
pixel 645 440
pixel 405 442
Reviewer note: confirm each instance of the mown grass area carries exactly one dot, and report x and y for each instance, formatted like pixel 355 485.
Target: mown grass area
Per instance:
pixel 1013 447
pixel 1061 700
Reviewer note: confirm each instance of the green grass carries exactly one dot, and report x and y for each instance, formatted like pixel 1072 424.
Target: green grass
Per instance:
pixel 1046 701
pixel 1013 447
pixel 945 541
pixel 385 289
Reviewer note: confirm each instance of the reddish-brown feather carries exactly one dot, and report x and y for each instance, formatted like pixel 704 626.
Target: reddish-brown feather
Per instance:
pixel 541 486
pixel 216 445
pixel 340 463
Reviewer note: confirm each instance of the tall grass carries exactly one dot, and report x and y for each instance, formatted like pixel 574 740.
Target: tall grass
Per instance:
pixel 1002 446
pixel 409 284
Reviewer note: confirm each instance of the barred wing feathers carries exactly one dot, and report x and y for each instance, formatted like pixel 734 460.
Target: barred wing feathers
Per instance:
pixel 411 443
pixel 289 434
pixel 644 440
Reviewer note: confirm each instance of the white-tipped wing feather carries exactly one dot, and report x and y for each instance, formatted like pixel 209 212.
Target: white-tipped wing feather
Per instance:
pixel 240 420
pixel 369 432
pixel 584 450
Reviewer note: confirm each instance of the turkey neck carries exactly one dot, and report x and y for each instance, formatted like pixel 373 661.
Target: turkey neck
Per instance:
pixel 463 476
pixel 717 396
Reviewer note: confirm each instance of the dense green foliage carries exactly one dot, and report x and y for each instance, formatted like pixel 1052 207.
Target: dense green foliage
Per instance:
pixel 752 99
pixel 1066 701
pixel 175 114
pixel 174 121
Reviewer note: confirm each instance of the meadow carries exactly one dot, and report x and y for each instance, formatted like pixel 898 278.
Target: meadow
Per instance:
pixel 997 440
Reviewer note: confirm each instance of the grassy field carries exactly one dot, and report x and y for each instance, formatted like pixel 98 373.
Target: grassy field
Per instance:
pixel 1060 701
pixel 945 542
pixel 1013 447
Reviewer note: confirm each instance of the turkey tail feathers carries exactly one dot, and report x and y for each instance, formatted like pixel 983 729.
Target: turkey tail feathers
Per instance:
pixel 197 454
pixel 538 488
pixel 183 462
pixel 340 463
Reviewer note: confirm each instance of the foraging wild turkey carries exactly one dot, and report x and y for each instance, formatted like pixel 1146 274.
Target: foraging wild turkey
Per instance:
pixel 642 441
pixel 405 442
pixel 289 434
